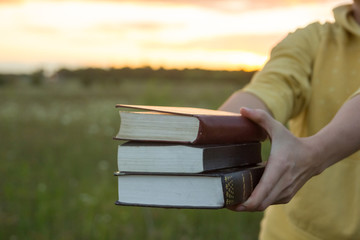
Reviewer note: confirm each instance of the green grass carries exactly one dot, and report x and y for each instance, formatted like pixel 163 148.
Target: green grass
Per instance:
pixel 58 158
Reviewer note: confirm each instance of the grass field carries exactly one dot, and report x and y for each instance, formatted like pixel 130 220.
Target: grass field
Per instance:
pixel 58 158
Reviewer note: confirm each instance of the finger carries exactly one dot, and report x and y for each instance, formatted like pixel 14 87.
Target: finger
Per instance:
pixel 285 189
pixel 234 207
pixel 281 197
pixel 260 117
pixel 281 193
pixel 289 192
pixel 271 176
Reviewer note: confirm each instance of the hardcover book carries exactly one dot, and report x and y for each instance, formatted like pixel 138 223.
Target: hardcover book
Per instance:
pixel 165 157
pixel 209 190
pixel 186 125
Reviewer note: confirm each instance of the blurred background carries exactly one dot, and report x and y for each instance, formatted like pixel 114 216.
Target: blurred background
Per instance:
pixel 63 67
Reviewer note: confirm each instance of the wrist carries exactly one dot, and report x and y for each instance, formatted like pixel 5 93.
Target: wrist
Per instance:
pixel 317 153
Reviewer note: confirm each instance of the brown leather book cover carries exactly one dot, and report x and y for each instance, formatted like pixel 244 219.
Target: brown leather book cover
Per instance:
pixel 215 126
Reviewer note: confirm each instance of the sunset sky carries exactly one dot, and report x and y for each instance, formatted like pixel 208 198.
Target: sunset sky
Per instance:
pixel 211 34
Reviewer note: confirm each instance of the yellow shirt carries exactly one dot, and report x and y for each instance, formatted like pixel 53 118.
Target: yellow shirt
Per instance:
pixel 309 76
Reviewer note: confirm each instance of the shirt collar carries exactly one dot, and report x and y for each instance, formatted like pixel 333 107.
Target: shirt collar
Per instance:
pixel 343 16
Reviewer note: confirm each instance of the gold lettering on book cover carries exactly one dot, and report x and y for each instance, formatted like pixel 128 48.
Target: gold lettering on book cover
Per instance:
pixel 229 190
pixel 251 181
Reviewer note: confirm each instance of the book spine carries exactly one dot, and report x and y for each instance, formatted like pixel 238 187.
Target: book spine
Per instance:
pixel 237 187
pixel 228 130
pixel 235 155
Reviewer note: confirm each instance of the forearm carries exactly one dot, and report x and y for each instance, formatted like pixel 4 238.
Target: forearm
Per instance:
pixel 243 99
pixel 341 137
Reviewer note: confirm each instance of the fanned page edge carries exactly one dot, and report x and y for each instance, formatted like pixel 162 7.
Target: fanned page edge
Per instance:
pixel 186 111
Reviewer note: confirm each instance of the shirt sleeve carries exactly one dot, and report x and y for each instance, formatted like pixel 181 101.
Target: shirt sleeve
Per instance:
pixel 284 82
pixel 357 92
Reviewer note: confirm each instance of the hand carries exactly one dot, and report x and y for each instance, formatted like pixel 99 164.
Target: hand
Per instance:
pixel 292 162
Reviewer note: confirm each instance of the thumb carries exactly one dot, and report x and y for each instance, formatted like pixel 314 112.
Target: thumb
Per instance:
pixel 260 117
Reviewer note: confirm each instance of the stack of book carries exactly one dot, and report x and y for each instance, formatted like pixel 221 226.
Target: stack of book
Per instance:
pixel 181 157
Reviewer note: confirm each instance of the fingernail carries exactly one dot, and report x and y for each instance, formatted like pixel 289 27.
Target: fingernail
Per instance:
pixel 241 208
pixel 245 109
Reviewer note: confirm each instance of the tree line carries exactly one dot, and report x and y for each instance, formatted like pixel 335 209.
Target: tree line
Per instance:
pixel 91 76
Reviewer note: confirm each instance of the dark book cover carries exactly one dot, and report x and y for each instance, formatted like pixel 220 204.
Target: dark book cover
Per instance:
pixel 134 156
